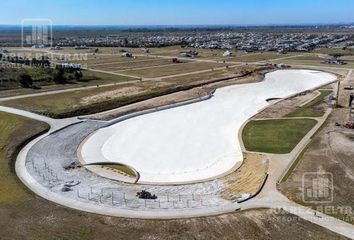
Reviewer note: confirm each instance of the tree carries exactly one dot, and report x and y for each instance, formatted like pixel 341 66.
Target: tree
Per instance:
pixel 25 80
pixel 59 77
pixel 78 75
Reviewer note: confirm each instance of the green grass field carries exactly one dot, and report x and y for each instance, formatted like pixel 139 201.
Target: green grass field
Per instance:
pixel 275 136
pixel 90 78
pixel 14 130
pixel 306 112
pixel 319 98
pixel 309 110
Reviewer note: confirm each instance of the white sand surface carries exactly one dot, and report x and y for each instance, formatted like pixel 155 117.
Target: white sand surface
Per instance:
pixel 196 141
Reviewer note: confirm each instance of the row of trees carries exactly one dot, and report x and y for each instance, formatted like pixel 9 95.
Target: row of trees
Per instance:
pixel 59 77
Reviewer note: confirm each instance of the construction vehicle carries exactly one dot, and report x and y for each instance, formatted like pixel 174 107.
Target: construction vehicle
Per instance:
pixel 146 195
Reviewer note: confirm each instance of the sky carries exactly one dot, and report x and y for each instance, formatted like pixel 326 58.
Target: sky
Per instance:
pixel 178 12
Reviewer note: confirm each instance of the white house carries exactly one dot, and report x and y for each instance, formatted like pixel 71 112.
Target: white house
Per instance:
pixel 227 54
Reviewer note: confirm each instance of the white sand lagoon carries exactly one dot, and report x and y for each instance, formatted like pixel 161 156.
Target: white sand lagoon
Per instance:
pixel 197 141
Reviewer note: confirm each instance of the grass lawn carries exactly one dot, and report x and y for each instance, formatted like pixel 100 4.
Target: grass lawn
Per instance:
pixel 59 104
pixel 275 136
pixel 306 112
pixel 308 109
pixel 89 101
pixel 14 130
pixel 90 78
pixel 319 98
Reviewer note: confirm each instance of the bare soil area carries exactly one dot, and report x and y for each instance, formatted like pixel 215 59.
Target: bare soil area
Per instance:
pixel 331 151
pixel 248 178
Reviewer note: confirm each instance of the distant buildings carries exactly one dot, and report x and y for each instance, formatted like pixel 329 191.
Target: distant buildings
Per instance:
pixel 227 54
pixel 222 39
pixel 81 47
pixel 189 54
pixel 56 48
pixel 145 50
pixel 127 55
pixel 335 61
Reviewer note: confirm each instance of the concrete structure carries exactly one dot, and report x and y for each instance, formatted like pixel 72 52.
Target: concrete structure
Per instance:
pixel 198 141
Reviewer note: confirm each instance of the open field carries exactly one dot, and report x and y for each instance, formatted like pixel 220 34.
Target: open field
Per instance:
pixel 345 52
pixel 89 78
pixel 174 69
pixel 330 151
pixel 312 108
pixel 206 76
pixel 110 96
pixel 99 98
pixel 104 59
pixel 260 57
pixel 313 62
pixel 14 131
pixel 120 66
pixel 278 136
pixel 306 112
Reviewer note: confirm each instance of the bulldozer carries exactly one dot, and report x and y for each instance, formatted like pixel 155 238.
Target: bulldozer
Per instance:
pixel 146 195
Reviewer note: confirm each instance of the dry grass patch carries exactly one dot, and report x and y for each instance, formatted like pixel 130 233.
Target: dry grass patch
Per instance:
pixel 174 69
pixel 248 179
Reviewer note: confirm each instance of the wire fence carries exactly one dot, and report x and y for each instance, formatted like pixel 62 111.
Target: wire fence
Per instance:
pixel 118 197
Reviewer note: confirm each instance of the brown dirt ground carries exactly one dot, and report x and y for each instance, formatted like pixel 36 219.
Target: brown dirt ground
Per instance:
pixel 248 178
pixel 286 106
pixel 330 151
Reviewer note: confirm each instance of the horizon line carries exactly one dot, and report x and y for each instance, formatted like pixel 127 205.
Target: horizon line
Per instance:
pixel 190 25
